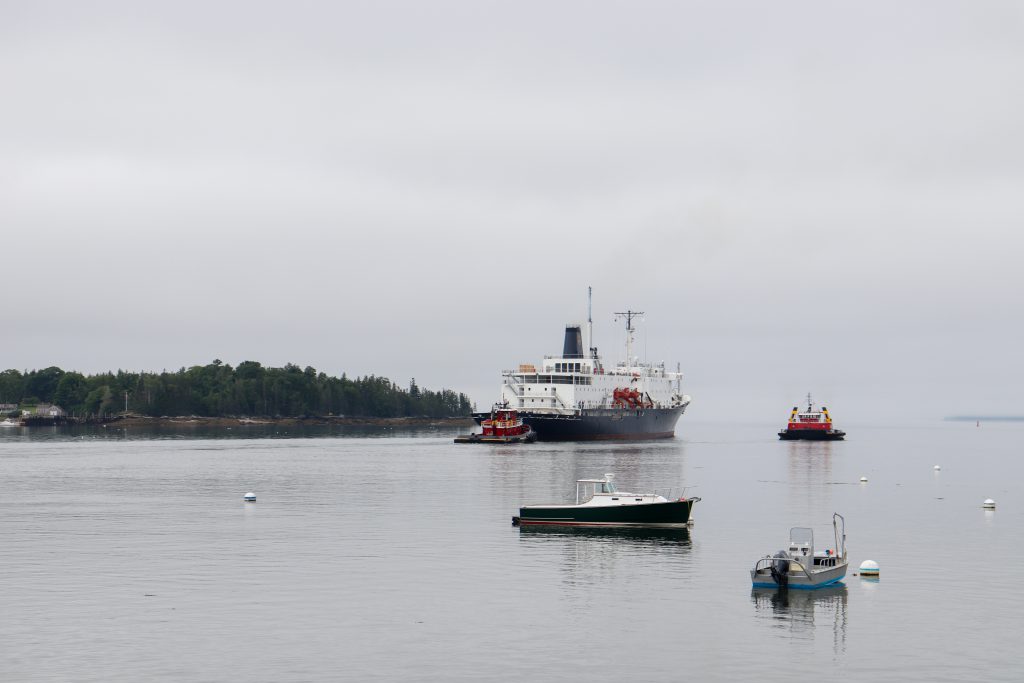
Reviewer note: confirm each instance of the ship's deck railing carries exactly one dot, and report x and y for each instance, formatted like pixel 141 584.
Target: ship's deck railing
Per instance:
pixel 549 401
pixel 547 378
pixel 617 369
pixel 542 371
pixel 585 377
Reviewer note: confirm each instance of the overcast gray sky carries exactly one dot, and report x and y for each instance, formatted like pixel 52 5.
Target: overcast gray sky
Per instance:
pixel 816 196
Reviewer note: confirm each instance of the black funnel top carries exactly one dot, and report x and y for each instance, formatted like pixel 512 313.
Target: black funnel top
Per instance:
pixel 573 347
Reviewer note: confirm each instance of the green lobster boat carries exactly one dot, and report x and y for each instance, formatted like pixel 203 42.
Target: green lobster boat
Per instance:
pixel 600 503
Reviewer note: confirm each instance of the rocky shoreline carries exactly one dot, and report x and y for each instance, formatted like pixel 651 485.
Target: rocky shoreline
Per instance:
pixel 332 420
pixel 131 420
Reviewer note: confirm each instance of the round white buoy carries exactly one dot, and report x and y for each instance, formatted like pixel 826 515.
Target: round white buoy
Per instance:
pixel 938 467
pixel 989 504
pixel 869 568
pixel 250 497
pixel 863 479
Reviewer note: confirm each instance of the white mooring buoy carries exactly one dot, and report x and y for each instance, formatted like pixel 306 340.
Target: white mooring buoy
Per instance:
pixel 250 497
pixel 863 479
pixel 938 467
pixel 869 568
pixel 989 504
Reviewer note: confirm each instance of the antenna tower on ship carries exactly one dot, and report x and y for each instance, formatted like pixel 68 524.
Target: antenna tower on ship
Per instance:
pixel 629 315
pixel 590 323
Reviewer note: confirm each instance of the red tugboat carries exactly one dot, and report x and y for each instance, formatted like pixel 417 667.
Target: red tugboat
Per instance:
pixel 815 425
pixel 504 426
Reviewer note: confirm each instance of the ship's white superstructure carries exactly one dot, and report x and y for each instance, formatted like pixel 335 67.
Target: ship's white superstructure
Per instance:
pixel 574 382
pixel 567 385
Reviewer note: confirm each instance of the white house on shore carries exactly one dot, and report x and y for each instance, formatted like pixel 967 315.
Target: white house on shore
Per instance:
pixel 43 410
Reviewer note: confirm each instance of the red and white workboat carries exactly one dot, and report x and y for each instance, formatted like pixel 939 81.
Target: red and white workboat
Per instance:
pixel 504 426
pixel 815 425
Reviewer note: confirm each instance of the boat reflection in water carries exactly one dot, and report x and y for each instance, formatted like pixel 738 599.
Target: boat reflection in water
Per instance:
pixel 637 535
pixel 804 613
pixel 588 557
pixel 594 556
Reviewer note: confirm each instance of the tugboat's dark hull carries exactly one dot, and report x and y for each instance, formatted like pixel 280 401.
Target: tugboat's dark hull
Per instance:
pixel 528 437
pixel 602 424
pixel 674 513
pixel 812 435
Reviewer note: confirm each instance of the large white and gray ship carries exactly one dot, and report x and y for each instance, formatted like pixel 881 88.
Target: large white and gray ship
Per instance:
pixel 574 396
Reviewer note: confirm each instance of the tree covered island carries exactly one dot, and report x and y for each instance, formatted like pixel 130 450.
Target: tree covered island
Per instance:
pixel 219 390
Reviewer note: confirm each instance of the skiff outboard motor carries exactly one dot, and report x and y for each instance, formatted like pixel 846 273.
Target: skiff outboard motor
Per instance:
pixel 780 569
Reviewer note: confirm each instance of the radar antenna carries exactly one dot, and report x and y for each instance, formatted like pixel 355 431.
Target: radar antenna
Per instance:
pixel 629 315
pixel 590 324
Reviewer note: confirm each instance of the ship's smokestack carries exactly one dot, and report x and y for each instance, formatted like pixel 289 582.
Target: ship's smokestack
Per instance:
pixel 573 347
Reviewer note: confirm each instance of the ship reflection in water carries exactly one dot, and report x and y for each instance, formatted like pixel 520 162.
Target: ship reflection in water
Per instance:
pixel 804 613
pixel 810 479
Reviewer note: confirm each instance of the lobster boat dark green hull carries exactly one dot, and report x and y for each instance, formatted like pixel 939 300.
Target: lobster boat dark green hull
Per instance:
pixel 673 513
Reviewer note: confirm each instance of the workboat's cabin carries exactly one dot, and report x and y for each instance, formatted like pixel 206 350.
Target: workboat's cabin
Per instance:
pixel 801 543
pixel 810 418
pixel 801 548
pixel 504 422
pixel 504 415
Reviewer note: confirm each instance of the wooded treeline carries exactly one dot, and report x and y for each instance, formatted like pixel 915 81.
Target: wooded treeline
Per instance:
pixel 218 390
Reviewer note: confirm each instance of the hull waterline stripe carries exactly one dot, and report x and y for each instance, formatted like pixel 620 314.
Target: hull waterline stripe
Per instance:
pixel 802 587
pixel 530 522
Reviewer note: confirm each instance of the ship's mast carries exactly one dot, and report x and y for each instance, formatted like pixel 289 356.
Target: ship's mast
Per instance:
pixel 590 322
pixel 629 315
pixel 809 404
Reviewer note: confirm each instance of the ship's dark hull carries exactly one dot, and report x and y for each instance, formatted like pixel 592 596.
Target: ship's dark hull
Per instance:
pixel 602 424
pixel 812 435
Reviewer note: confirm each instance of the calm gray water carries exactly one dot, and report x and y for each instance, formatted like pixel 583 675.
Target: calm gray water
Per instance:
pixel 392 557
